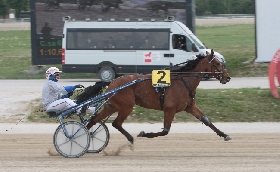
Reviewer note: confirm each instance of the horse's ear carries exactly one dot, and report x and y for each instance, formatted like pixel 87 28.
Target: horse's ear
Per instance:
pixel 207 53
pixel 212 52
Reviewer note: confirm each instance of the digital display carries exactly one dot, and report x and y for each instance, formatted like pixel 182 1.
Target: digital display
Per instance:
pixel 47 24
pixel 49 48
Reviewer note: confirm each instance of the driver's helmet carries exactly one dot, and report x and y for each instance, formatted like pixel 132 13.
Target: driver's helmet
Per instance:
pixel 51 71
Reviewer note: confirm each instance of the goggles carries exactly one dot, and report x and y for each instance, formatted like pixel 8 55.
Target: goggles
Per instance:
pixel 57 74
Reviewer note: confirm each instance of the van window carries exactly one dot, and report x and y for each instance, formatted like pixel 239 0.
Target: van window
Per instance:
pixel 117 39
pixel 181 42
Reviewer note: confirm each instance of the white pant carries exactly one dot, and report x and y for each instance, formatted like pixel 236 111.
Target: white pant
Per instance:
pixel 66 103
pixel 61 104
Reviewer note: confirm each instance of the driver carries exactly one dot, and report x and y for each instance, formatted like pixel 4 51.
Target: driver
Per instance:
pixel 52 97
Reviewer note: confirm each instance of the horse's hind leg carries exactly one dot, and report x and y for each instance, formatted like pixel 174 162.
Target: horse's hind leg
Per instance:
pixel 195 111
pixel 168 118
pixel 107 110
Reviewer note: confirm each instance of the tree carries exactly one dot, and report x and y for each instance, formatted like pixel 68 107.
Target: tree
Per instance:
pixel 18 5
pixel 3 8
pixel 202 7
pixel 206 7
pixel 217 7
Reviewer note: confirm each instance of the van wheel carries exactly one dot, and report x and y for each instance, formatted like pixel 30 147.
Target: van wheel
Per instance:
pixel 206 77
pixel 106 74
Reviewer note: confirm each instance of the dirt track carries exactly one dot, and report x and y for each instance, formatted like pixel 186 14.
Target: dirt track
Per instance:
pixel 175 152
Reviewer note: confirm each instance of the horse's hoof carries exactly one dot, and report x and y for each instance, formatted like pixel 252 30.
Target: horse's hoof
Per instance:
pixel 141 134
pixel 227 138
pixel 131 147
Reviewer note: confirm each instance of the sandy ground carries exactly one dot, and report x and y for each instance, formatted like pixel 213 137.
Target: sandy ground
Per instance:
pixel 191 147
pixel 175 152
pixel 223 21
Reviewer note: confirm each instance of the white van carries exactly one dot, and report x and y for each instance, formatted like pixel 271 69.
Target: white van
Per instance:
pixel 113 48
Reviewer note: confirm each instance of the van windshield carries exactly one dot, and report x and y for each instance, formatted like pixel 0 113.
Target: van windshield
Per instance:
pixel 197 42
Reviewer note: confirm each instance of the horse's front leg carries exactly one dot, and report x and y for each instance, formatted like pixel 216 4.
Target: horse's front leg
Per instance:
pixel 168 118
pixel 195 111
pixel 122 115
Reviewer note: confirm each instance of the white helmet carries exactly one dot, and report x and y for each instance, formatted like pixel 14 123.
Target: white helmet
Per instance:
pixel 51 71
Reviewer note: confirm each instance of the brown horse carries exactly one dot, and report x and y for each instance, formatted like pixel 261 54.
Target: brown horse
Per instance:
pixel 179 96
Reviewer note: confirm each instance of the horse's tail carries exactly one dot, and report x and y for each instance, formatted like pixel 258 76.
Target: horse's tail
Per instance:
pixel 92 91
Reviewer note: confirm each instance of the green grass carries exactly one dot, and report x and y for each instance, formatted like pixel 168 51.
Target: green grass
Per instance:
pixel 219 105
pixel 16 43
pixel 237 44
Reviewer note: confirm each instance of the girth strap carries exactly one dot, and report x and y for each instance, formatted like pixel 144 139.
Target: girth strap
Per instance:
pixel 190 92
pixel 161 91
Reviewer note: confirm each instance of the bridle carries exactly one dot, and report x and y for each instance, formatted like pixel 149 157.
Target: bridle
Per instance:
pixel 220 73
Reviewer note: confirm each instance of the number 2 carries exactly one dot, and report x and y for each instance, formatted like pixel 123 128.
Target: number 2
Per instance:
pixel 160 80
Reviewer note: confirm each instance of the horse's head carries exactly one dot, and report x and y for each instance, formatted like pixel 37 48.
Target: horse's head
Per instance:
pixel 217 69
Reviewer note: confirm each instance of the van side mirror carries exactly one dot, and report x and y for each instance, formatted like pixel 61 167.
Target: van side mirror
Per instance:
pixel 194 48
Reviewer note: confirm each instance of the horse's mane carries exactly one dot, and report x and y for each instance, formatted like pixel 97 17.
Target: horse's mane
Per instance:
pixel 91 91
pixel 187 65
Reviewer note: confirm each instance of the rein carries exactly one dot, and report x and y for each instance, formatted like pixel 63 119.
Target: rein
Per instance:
pixel 194 72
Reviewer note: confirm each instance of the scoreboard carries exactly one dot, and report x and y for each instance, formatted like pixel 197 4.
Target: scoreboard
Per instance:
pixel 47 25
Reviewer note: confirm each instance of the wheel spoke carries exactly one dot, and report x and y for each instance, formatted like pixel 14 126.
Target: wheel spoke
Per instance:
pixel 66 141
pixel 76 131
pixel 79 136
pixel 93 133
pixel 71 147
pixel 77 144
pixel 99 140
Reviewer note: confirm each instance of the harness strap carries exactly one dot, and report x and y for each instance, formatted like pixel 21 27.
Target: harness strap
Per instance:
pixel 161 91
pixel 190 92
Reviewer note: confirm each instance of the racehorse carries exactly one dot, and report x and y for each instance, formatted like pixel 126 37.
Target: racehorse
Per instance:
pixel 154 7
pixel 88 3
pixel 179 96
pixel 105 6
pixel 52 4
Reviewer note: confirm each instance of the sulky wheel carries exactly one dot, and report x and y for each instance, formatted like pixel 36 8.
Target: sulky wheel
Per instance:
pixel 77 142
pixel 99 137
